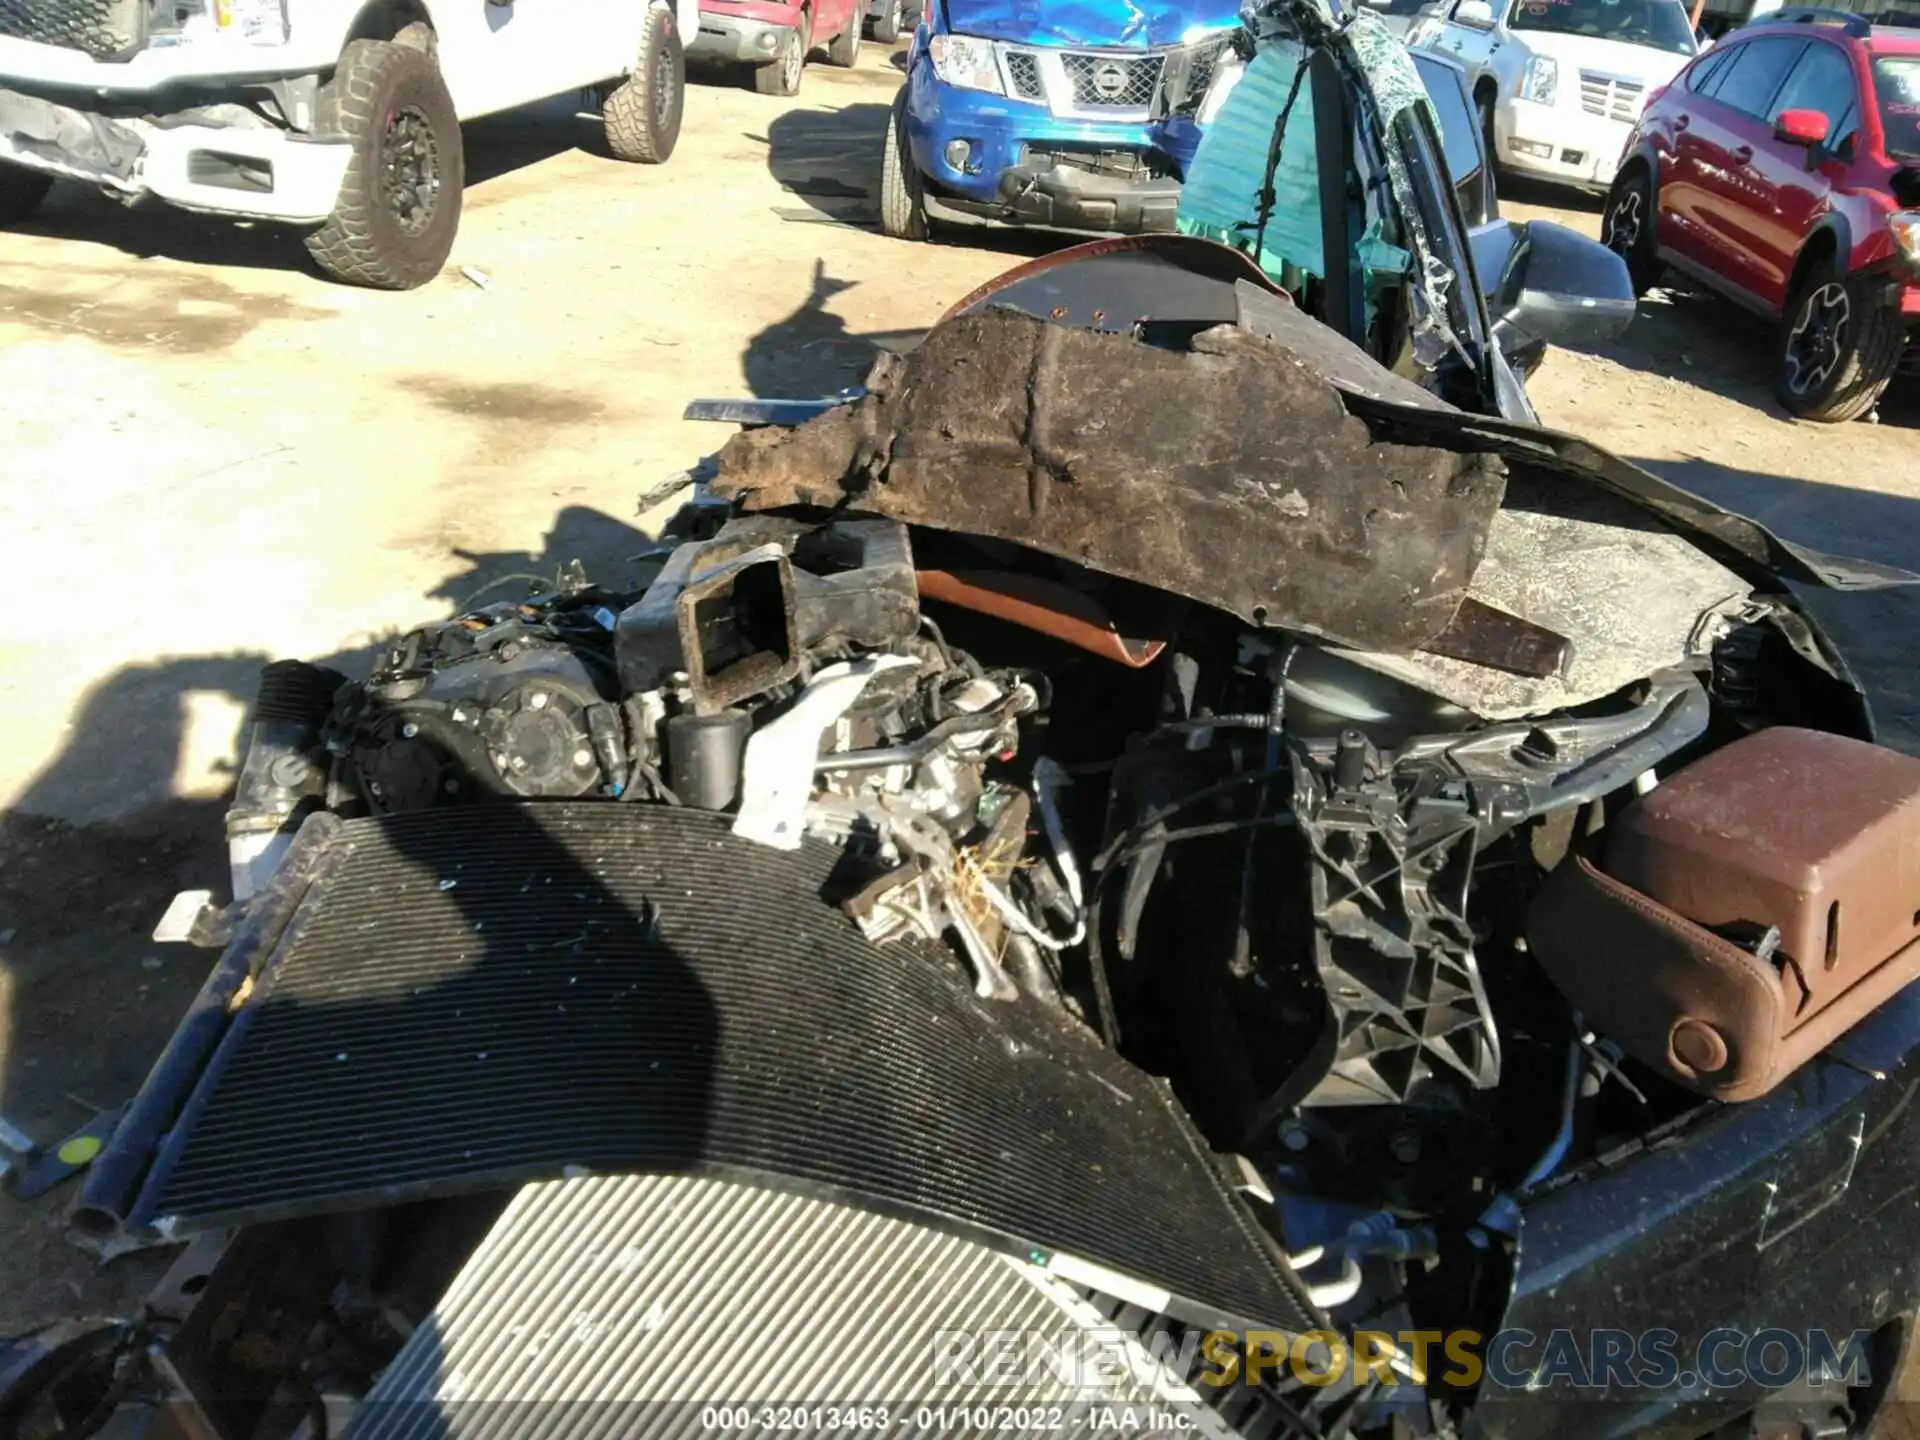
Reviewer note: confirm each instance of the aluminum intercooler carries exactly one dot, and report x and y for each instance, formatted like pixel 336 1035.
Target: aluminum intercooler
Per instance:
pixel 660 1305
pixel 471 998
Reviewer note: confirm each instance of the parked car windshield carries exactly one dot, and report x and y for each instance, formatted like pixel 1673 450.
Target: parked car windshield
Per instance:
pixel 1661 24
pixel 1896 79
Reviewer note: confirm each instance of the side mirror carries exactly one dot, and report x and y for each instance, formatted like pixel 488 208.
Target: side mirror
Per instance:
pixel 1476 13
pixel 1554 287
pixel 1800 127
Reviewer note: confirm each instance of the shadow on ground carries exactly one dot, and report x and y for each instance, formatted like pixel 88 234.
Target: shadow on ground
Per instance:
pixel 1522 190
pixel 86 998
pixel 499 145
pixel 811 353
pixel 1716 346
pixel 829 160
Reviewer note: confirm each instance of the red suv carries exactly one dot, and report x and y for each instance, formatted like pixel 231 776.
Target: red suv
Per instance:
pixel 1782 169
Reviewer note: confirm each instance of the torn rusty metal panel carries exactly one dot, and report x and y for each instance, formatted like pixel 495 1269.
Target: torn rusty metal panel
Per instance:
pixel 1231 474
pixel 1483 635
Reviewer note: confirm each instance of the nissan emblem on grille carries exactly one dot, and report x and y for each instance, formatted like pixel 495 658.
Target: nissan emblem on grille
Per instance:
pixel 1112 81
pixel 1109 79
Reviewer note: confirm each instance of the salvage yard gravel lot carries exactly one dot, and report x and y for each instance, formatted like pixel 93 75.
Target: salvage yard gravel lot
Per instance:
pixel 212 459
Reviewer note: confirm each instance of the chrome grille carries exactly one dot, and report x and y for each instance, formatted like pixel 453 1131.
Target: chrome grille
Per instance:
pixel 1023 73
pixel 1112 82
pixel 101 28
pixel 1200 72
pixel 1105 84
pixel 1613 96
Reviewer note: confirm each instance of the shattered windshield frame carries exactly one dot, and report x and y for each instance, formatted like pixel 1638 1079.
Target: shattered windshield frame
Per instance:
pixel 1412 201
pixel 1445 224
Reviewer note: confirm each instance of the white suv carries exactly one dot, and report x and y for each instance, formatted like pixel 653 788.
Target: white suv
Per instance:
pixel 340 116
pixel 1560 83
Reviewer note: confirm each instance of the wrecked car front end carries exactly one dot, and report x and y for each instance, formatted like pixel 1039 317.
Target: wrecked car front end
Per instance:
pixel 1072 115
pixel 1312 907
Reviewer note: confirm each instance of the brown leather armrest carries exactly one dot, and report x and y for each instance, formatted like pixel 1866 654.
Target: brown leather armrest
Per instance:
pixel 1680 998
pixel 1658 983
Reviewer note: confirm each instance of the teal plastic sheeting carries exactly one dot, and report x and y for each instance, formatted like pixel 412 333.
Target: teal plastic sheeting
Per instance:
pixel 1220 197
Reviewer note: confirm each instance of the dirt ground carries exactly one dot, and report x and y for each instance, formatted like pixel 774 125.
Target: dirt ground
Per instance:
pixel 211 458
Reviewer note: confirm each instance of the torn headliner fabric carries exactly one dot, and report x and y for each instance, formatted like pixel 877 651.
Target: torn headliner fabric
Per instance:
pixel 1630 596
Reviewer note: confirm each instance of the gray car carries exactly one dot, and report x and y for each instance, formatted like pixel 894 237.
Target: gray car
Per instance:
pixel 888 20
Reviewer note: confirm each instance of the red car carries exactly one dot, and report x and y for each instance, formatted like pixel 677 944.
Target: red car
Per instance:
pixel 776 37
pixel 1782 169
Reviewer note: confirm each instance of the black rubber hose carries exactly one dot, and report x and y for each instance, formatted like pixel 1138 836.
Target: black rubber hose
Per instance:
pixel 914 751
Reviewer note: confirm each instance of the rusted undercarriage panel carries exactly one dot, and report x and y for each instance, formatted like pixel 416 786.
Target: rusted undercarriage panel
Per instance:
pixel 1232 474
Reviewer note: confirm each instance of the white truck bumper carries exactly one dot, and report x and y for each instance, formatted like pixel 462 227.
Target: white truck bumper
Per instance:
pixel 1559 142
pixel 253 172
pixel 212 63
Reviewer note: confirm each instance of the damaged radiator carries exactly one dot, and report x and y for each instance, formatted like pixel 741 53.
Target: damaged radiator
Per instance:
pixel 470 998
pixel 630 1305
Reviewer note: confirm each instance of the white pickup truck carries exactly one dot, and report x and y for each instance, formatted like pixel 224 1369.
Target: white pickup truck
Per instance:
pixel 341 117
pixel 1559 84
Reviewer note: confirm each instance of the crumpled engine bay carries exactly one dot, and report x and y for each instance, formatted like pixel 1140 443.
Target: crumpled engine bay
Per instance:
pixel 1218 963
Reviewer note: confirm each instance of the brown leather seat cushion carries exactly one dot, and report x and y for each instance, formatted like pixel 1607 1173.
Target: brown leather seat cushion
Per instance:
pixel 1814 834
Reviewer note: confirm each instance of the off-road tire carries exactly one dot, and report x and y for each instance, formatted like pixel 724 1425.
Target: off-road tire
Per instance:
pixel 1628 227
pixel 21 191
pixel 642 116
pixel 903 193
pixel 783 75
pixel 376 86
pixel 1866 350
pixel 418 35
pixel 888 29
pixel 844 49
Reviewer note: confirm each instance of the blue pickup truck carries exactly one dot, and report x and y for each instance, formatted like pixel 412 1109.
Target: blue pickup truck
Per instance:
pixel 1081 114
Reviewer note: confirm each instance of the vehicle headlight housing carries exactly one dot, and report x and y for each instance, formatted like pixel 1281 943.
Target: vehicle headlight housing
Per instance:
pixel 1906 229
pixel 965 61
pixel 1540 82
pixel 242 22
pixel 1226 74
